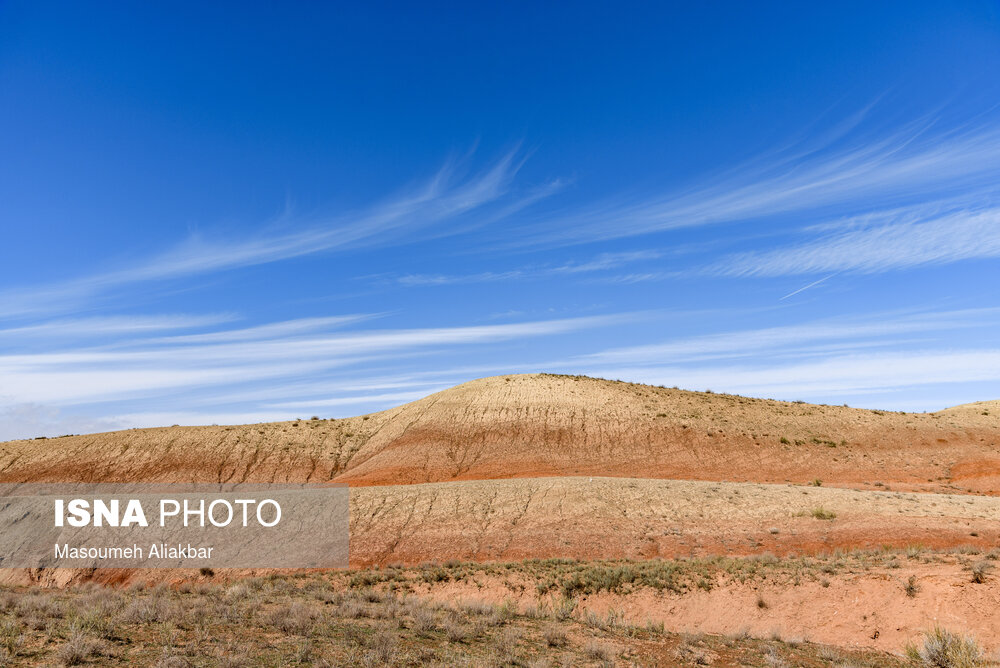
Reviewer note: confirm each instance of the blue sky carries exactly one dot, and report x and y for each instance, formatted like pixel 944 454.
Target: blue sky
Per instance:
pixel 259 211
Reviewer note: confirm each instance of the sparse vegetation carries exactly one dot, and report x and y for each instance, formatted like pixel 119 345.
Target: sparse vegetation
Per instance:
pixel 821 513
pixel 945 649
pixel 555 636
pixel 334 619
pixel 980 571
pixel 77 649
pixel 600 651
pixel 547 611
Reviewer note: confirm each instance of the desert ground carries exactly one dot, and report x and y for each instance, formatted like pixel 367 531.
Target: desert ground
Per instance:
pixel 646 525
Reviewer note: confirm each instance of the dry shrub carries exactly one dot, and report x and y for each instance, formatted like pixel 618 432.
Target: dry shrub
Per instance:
pixel 478 607
pixel 382 649
pixel 304 652
pixel 171 661
pixel 11 637
pixel 774 660
pixel 99 621
pixel 353 609
pixel 831 654
pixel 505 648
pixel 599 651
pixel 564 609
pixel 234 660
pixel 655 627
pixel 554 636
pixel 39 605
pixel 945 649
pixel 980 570
pixel 77 649
pixel 205 589
pixel 455 630
pixel 237 592
pixel 424 621
pixel 147 610
pixel 297 618
pixel 592 618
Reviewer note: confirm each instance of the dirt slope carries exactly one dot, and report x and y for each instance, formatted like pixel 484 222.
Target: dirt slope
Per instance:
pixel 611 518
pixel 534 466
pixel 846 601
pixel 544 425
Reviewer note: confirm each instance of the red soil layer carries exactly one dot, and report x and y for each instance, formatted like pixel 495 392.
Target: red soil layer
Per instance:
pixel 541 425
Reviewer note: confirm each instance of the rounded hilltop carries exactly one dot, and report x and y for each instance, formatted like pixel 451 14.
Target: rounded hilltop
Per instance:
pixel 546 425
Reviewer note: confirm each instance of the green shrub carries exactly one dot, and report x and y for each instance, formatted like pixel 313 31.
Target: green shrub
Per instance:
pixel 822 513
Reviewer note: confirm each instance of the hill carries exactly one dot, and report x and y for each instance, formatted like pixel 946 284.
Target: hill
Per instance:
pixel 542 425
pixel 521 488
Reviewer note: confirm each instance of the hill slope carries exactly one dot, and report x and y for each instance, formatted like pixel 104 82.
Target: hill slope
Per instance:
pixel 544 425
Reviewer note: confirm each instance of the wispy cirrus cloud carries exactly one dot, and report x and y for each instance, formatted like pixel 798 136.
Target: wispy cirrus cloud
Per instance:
pixel 848 173
pixel 450 202
pixel 601 262
pixel 101 375
pixel 288 328
pixel 829 375
pixel 880 353
pixel 892 240
pixel 353 400
pixel 852 203
pixel 851 174
pixel 112 325
pixel 881 329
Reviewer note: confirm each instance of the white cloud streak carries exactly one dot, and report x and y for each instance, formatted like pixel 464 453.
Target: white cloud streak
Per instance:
pixel 786 340
pixel 806 287
pixel 112 325
pixel 830 376
pixel 602 262
pixel 917 162
pixel 441 206
pixel 885 246
pixel 96 375
pixel 915 166
pixel 353 400
pixel 269 331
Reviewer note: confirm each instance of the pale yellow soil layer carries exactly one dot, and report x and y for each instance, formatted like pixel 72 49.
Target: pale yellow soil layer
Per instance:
pixel 616 518
pixel 542 425
pixel 593 518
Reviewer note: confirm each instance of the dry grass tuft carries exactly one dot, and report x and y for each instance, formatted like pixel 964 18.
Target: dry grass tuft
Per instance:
pixel 980 571
pixel 77 649
pixel 600 651
pixel 945 649
pixel 554 636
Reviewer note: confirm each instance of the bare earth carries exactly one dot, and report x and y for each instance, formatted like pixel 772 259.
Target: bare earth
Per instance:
pixel 541 425
pixel 528 467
